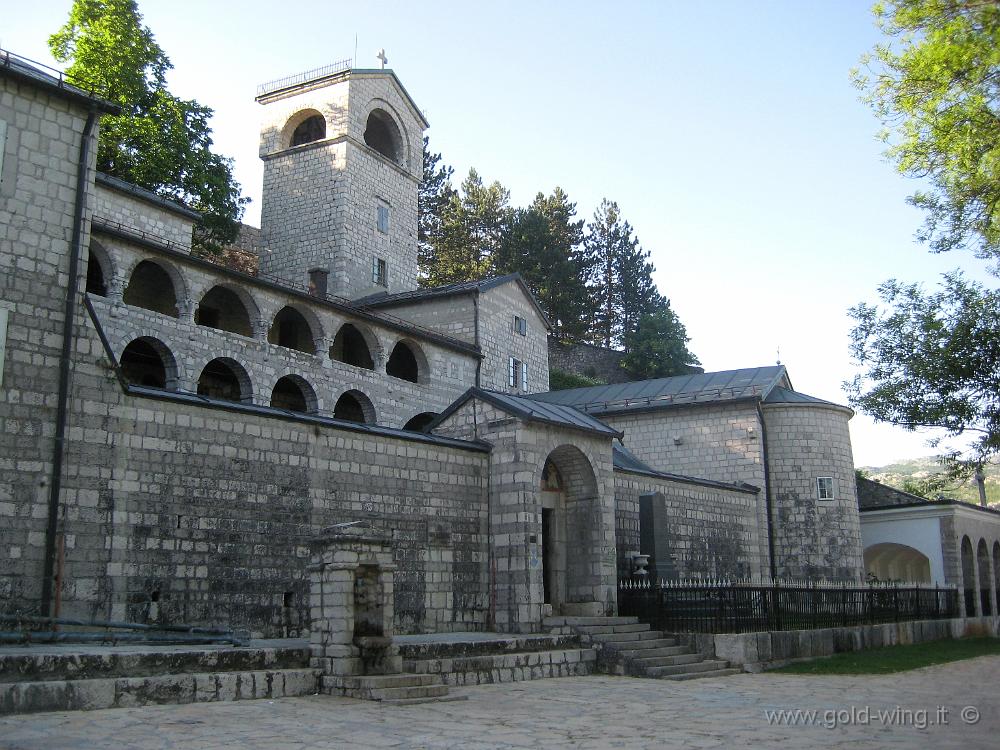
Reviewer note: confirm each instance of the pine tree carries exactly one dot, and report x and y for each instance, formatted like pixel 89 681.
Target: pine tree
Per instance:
pixel 434 194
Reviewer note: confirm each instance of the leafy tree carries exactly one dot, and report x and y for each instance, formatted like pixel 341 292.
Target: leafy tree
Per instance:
pixel 472 226
pixel 932 360
pixel 938 95
pixel 658 346
pixel 559 380
pixel 543 244
pixel 159 142
pixel 435 193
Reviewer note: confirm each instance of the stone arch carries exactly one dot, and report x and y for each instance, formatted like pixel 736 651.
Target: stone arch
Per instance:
pixel 227 307
pixel 305 126
pixel 419 422
pixel 571 537
pixel 996 571
pixel 897 562
pixel 355 345
pixel 354 406
pixel 226 379
pixel 968 577
pixel 985 577
pixel 155 285
pixel 148 362
pixel 295 328
pixel 383 133
pixel 407 361
pixel 100 270
pixel 294 393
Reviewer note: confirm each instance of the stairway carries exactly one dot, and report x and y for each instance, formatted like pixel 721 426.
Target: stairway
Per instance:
pixel 81 677
pixel 628 647
pixel 479 659
pixel 391 689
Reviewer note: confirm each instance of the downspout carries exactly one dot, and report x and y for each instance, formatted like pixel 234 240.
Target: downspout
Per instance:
pixel 62 404
pixel 767 490
pixel 475 317
pixel 491 566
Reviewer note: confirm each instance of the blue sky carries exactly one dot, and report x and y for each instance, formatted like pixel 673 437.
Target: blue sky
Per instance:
pixel 728 132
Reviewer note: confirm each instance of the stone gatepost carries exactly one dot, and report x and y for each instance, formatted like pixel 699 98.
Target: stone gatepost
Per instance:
pixel 351 606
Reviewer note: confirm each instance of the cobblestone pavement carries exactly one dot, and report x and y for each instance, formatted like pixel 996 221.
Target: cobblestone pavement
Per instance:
pixel 580 712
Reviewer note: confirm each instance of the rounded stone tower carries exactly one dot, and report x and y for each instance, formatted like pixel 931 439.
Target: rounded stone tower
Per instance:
pixel 817 528
pixel 343 157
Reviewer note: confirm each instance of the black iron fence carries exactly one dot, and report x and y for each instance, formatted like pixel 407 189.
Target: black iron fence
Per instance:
pixel 756 606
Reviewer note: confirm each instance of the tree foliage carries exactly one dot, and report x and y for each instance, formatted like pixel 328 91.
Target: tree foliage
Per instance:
pixel 159 141
pixel 937 91
pixel 434 194
pixel 658 347
pixel 932 360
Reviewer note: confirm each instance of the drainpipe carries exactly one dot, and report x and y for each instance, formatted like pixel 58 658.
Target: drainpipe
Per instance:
pixel 479 362
pixel 767 490
pixel 59 441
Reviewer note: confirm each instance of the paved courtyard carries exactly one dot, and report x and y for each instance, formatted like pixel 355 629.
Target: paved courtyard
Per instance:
pixel 950 706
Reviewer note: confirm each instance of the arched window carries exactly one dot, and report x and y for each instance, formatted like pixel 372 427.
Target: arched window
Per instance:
pixel 350 347
pixel 294 394
pixel 225 379
pixel 354 406
pixel 382 134
pixel 149 363
pixel 151 288
pixel 968 577
pixel 309 130
pixel 291 330
pixel 420 422
pixel 985 585
pixel 222 308
pixel 404 362
pixel 96 278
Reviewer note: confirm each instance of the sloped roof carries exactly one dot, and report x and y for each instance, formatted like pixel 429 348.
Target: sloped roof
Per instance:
pixel 698 388
pixel 782 395
pixel 626 460
pixel 383 299
pixel 531 411
pixel 54 81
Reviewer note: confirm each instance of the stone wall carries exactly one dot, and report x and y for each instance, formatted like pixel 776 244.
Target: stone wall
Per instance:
pixel 453 316
pixel 116 203
pixel 499 341
pixel 872 494
pixel 697 530
pixel 813 538
pixel 588 360
pixel 37 192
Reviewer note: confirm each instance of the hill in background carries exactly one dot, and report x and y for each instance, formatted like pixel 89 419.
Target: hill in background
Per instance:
pixel 911 474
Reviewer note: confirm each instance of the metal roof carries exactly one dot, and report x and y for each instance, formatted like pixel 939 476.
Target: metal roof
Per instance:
pixel 698 388
pixel 781 395
pixel 532 411
pixel 55 81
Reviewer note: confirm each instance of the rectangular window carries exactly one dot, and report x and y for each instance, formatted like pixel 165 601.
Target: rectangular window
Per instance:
pixel 514 373
pixel 380 272
pixel 317 282
pixel 824 488
pixel 3 339
pixel 524 376
pixel 3 144
pixel 520 325
pixel 382 219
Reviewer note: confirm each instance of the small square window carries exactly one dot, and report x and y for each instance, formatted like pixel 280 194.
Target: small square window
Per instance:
pixel 380 272
pixel 520 325
pixel 824 488
pixel 382 219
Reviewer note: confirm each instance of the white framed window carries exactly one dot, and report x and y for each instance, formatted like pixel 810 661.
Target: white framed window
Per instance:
pixel 382 218
pixel 824 488
pixel 514 373
pixel 3 144
pixel 524 376
pixel 380 272
pixel 520 325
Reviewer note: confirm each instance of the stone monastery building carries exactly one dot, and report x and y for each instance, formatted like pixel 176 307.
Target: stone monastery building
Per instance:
pixel 175 432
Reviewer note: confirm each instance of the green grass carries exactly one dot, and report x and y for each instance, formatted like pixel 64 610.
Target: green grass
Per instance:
pixel 897 658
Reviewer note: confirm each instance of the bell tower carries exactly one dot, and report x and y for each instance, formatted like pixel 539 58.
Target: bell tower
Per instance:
pixel 343 158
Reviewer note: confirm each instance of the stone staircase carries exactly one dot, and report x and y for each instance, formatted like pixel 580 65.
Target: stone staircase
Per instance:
pixel 629 647
pixel 392 689
pixel 509 658
pixel 81 677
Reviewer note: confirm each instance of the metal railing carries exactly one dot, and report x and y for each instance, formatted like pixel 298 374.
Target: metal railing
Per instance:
pixel 759 606
pixel 327 70
pixel 52 75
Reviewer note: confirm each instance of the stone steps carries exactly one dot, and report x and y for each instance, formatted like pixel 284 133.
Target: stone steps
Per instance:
pixel 558 622
pixel 628 647
pixel 70 677
pixel 479 669
pixel 402 689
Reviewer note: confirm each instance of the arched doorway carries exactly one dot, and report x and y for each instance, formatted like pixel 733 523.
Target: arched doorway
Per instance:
pixel 570 530
pixel 968 577
pixel 983 561
pixel 354 406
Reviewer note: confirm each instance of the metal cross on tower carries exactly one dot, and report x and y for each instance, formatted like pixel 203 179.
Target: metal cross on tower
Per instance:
pixel 381 56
